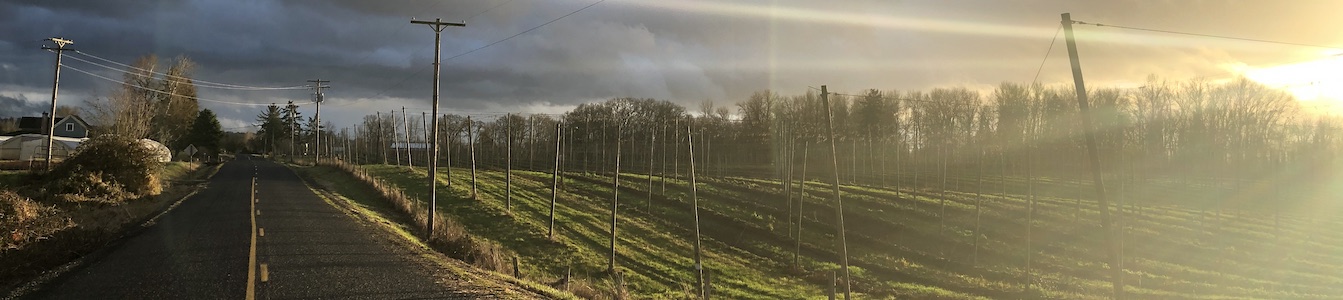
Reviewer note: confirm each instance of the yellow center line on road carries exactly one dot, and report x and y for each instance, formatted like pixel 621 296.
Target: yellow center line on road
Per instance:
pixel 265 273
pixel 251 256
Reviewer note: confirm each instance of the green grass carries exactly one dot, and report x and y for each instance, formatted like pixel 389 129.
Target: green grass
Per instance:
pixel 178 170
pixel 11 179
pixel 898 245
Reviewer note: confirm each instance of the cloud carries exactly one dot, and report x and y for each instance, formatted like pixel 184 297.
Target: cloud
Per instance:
pixel 19 106
pixel 682 51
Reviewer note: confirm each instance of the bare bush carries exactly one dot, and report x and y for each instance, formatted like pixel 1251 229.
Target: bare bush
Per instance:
pixel 108 168
pixel 24 220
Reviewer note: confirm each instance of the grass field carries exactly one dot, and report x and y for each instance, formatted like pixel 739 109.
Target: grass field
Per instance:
pixel 11 179
pixel 898 245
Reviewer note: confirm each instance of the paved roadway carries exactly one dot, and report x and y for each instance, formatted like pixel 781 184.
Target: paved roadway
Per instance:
pixel 310 249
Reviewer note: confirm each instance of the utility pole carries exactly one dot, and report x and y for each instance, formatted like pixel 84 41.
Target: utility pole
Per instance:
pixel 1116 262
pixel 55 87
pixel 317 118
pixel 438 26
pixel 839 203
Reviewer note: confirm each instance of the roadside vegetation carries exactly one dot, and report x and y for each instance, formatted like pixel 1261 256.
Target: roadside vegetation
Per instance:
pixel 106 189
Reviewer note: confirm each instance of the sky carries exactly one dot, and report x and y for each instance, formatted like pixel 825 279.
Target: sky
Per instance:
pixel 684 51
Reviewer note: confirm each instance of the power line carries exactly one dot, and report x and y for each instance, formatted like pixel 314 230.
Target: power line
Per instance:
pixel 525 31
pixel 1047 52
pixel 417 73
pixel 473 16
pixel 1208 35
pixel 198 82
pixel 163 92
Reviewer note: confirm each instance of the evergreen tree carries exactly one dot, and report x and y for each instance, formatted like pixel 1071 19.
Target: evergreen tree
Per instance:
pixel 205 132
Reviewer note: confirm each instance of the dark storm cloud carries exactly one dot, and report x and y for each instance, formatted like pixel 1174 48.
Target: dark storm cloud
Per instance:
pixel 19 106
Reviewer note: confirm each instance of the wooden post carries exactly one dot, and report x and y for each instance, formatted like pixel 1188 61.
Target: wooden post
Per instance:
pixel 839 202
pixel 471 137
pixel 508 169
pixel 615 199
pixel 410 159
pixel 516 272
pixel 398 153
pixel 979 199
pixel 662 176
pixel 555 181
pixel 1116 261
pixel 1030 210
pixel 694 199
pixel 787 177
pixel 652 141
pixel 801 199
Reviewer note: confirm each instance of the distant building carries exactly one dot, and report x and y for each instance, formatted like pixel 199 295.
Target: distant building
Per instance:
pixel 71 126
pixel 33 146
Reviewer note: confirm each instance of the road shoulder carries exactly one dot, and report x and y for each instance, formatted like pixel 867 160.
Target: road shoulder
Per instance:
pixel 394 228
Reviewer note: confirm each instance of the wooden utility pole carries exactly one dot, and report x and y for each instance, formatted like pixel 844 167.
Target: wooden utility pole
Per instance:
pixel 839 202
pixel 55 87
pixel 438 26
pixel 317 118
pixel 1116 262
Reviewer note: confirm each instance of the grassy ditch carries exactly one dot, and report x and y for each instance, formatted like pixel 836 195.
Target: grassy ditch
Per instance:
pixel 376 201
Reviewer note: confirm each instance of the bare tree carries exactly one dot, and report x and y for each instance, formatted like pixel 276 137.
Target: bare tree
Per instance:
pixel 129 109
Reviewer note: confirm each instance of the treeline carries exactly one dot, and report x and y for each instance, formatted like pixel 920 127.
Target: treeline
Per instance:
pixel 1195 130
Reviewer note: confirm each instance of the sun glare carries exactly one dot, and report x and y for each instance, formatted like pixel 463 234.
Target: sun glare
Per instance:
pixel 1316 83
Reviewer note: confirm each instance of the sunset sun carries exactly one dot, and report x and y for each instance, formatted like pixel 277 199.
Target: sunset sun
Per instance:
pixel 1318 84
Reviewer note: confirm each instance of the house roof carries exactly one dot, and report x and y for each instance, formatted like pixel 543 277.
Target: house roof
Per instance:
pixel 35 123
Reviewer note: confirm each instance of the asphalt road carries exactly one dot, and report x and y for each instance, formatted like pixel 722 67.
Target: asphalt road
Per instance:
pixel 307 248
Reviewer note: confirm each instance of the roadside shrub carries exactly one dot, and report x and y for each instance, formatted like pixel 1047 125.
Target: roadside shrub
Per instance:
pixel 109 168
pixel 81 185
pixel 15 209
pixel 452 239
pixel 22 220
